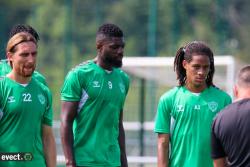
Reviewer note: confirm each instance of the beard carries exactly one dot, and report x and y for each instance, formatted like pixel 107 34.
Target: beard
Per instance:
pixel 114 62
pixel 26 73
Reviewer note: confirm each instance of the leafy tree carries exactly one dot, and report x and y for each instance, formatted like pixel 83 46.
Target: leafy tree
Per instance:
pixel 67 29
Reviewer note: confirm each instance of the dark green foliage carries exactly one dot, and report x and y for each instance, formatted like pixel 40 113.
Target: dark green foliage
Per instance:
pixel 67 28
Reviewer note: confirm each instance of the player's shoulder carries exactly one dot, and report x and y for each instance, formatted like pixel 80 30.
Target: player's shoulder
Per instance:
pixel 37 75
pixel 4 66
pixel 224 113
pixel 83 67
pixel 218 92
pixel 239 105
pixel 41 85
pixel 172 92
pixel 3 62
pixel 122 73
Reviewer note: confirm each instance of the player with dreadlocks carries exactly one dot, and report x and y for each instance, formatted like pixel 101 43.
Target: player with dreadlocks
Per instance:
pixel 5 65
pixel 185 113
pixel 92 97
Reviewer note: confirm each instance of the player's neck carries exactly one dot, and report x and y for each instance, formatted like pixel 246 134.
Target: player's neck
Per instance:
pixel 195 89
pixel 18 78
pixel 243 94
pixel 103 65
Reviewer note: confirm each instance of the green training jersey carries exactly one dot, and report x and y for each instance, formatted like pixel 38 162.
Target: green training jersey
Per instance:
pixel 23 111
pixel 5 69
pixel 187 117
pixel 101 97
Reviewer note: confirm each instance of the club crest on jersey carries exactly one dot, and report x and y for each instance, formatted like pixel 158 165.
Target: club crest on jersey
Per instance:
pixel 41 98
pixel 213 106
pixel 122 87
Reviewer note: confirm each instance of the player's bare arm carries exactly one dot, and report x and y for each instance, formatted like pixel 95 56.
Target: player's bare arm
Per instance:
pixel 124 162
pixel 221 162
pixel 49 146
pixel 68 114
pixel 163 150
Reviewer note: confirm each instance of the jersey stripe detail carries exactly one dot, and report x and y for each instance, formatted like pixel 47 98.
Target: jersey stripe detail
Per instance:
pixel 83 100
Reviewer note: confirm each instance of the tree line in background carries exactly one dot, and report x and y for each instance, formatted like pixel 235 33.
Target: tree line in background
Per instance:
pixel 152 28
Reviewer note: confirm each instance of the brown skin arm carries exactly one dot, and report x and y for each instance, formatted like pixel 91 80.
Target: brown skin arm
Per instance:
pixel 163 150
pixel 68 114
pixel 121 139
pixel 220 162
pixel 49 146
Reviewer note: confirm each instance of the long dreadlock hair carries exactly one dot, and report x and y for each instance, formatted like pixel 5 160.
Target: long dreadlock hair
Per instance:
pixel 186 53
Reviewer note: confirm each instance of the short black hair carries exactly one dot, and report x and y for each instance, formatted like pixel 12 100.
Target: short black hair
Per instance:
pixel 110 30
pixel 23 28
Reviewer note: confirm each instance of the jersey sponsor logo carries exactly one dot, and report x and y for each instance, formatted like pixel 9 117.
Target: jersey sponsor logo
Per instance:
pixel 180 108
pixel 213 106
pixel 16 156
pixel 11 99
pixel 122 87
pixel 96 84
pixel 110 85
pixel 41 98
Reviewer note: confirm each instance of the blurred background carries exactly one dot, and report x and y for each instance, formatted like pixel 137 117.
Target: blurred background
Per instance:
pixel 152 28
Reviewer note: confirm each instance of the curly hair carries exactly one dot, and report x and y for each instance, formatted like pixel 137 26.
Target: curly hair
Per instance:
pixel 110 30
pixel 186 53
pixel 23 28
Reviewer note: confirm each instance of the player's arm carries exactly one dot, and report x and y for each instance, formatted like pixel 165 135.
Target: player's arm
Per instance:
pixel 68 114
pixel 49 146
pixel 163 150
pixel 221 162
pixel 121 139
pixel 217 151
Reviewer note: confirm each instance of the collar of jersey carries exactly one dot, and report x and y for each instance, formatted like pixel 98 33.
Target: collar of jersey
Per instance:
pixel 201 93
pixel 19 83
pixel 100 68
